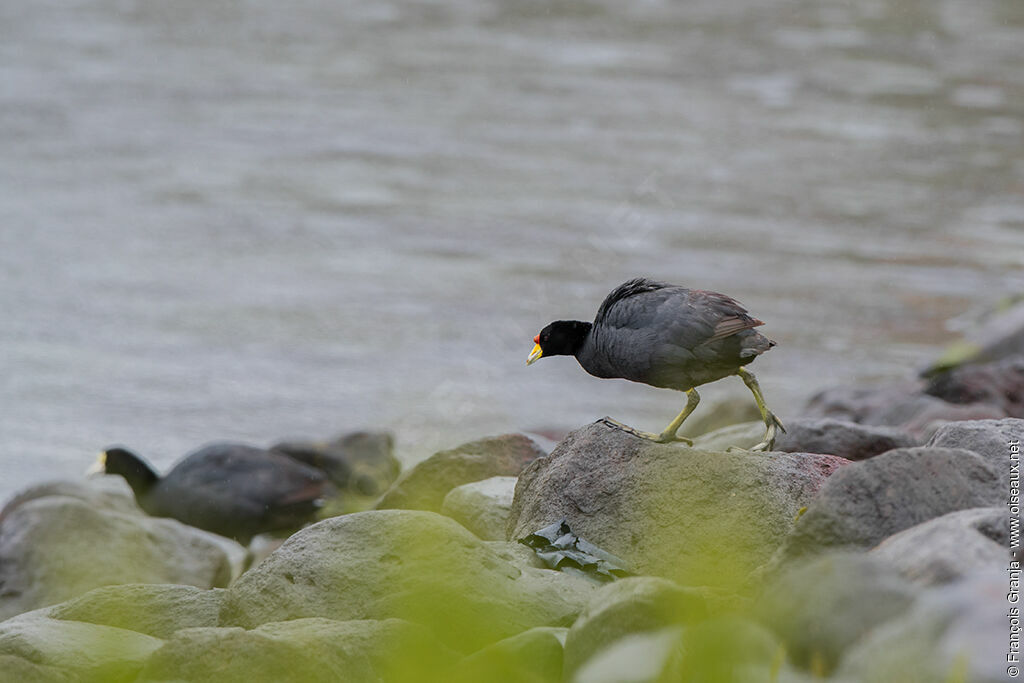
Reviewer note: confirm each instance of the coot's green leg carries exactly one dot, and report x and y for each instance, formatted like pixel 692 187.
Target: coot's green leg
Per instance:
pixel 669 434
pixel 771 423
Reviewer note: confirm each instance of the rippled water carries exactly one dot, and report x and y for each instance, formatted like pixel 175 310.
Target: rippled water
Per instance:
pixel 253 220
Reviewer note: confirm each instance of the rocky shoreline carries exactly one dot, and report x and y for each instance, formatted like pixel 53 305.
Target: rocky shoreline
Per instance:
pixel 872 545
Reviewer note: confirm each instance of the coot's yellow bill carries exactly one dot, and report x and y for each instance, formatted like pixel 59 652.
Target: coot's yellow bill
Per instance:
pixel 98 467
pixel 535 354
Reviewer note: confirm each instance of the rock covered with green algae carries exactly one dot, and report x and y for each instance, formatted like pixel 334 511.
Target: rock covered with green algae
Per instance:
pixel 412 565
pixel 694 516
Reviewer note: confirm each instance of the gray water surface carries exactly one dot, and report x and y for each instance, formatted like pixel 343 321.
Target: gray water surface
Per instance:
pixel 254 220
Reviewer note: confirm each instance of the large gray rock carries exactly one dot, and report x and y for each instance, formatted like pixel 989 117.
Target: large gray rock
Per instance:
pixel 988 438
pixel 55 547
pixel 22 670
pixel 107 493
pixel 866 502
pixel 413 565
pixel 959 632
pixel 482 506
pixel 89 652
pixel 819 608
pixel 301 651
pixel 864 404
pixel 904 404
pixel 158 610
pixel 999 384
pixel 842 438
pixel 950 547
pixel 628 606
pixel 425 485
pixel 669 510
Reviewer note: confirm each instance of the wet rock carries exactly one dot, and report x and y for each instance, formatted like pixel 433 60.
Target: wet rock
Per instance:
pixel 312 649
pixel 425 485
pixel 413 565
pixel 482 506
pixel 865 405
pixel 988 438
pixel 923 416
pixel 949 547
pixel 819 608
pixel 88 652
pixel 628 606
pixel 998 384
pixel 56 547
pixel 842 438
pixel 156 610
pixel 867 501
pixel 107 493
pixel 533 655
pixel 363 463
pixel 1000 335
pixel 669 510
pixel 958 632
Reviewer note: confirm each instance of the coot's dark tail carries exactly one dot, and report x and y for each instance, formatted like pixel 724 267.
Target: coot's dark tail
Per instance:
pixel 753 344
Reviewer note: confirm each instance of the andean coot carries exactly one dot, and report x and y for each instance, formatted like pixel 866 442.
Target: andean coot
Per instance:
pixel 230 489
pixel 666 336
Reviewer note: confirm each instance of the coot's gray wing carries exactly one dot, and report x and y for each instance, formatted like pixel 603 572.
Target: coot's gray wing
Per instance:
pixel 666 335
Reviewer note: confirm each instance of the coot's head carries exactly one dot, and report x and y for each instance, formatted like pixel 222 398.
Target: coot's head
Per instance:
pixel 560 338
pixel 136 471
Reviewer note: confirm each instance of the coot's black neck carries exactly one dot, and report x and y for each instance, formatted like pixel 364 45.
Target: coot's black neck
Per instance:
pixel 567 337
pixel 136 471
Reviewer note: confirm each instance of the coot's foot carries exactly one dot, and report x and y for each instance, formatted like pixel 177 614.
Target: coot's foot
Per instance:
pixel 664 437
pixel 772 424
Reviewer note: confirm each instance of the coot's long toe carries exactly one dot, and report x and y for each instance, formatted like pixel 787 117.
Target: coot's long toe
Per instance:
pixel 669 337
pixel 230 489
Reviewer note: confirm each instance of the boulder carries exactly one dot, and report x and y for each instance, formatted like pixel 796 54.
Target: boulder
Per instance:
pixel 482 506
pixel 988 438
pixel 533 656
pixel 840 437
pixel 863 404
pixel 819 608
pixel 628 606
pixel 412 565
pixel 669 510
pixel 957 632
pixel 300 651
pixel 999 384
pixel 107 493
pixel 55 547
pixel 425 485
pixel 949 547
pixel 991 337
pixel 646 657
pixel 867 501
pixel 89 652
pixel 158 610
pixel 362 463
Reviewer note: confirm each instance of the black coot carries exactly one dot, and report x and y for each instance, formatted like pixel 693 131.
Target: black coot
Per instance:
pixel 665 336
pixel 230 489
